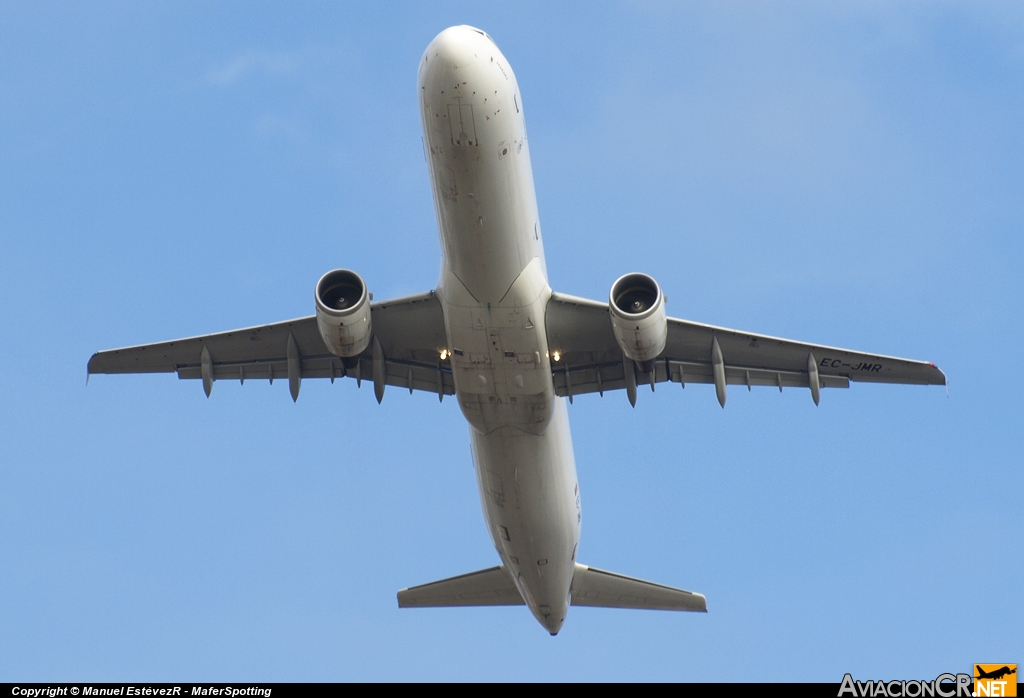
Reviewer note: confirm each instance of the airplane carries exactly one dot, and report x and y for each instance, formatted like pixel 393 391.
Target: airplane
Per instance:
pixel 996 673
pixel 512 351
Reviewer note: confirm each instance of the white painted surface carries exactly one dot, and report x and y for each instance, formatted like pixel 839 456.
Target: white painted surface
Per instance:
pixel 494 290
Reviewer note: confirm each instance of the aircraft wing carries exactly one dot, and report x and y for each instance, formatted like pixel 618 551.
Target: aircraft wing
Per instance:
pixel 410 332
pixel 590 360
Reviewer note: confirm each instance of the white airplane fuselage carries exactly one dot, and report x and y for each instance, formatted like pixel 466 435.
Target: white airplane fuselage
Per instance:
pixel 494 290
pixel 488 321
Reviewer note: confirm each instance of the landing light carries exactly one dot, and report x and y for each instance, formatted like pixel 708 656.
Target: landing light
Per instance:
pixel 556 356
pixel 444 354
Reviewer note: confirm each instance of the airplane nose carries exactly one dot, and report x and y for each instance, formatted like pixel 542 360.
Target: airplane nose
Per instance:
pixel 457 46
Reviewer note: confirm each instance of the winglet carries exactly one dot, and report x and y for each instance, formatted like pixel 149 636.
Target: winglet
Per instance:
pixel 89 367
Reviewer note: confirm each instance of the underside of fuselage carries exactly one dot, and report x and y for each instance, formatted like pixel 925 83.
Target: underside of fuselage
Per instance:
pixel 494 291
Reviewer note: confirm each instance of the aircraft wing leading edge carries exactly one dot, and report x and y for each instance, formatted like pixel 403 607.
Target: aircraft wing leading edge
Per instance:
pixel 590 360
pixel 410 331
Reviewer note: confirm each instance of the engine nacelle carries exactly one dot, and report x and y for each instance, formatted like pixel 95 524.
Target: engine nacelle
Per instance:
pixel 638 316
pixel 343 312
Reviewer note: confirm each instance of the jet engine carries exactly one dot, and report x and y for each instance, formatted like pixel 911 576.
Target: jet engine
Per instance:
pixel 343 312
pixel 638 316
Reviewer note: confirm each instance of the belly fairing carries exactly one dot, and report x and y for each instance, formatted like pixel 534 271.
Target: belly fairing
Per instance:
pixel 493 284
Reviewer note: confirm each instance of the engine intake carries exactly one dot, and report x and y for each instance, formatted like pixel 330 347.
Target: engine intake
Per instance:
pixel 343 312
pixel 638 316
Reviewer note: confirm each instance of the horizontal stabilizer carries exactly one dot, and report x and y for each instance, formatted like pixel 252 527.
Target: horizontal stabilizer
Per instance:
pixel 490 587
pixel 594 587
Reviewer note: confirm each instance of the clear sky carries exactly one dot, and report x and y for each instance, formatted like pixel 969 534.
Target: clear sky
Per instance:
pixel 848 175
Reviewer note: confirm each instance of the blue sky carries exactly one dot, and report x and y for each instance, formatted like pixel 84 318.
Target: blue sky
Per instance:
pixel 846 175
